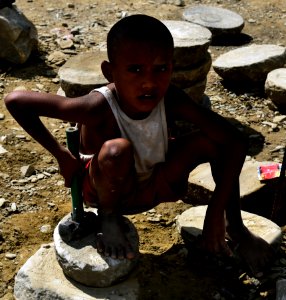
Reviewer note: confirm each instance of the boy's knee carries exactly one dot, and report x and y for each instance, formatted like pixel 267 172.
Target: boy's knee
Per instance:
pixel 115 148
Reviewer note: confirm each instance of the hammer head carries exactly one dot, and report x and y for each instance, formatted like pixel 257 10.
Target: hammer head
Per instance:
pixel 71 230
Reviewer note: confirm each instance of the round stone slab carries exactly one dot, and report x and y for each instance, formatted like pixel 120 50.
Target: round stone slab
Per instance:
pixel 275 86
pixel 82 73
pixel 191 41
pixel 190 224
pixel 250 63
pixel 80 260
pixel 41 277
pixel 185 78
pixel 218 20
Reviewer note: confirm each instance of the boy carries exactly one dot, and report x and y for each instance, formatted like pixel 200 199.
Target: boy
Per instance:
pixel 132 164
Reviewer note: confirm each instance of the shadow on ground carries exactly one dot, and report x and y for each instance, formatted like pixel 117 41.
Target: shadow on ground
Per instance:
pixel 191 275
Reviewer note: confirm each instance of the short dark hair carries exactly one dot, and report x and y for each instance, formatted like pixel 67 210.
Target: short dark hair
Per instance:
pixel 138 27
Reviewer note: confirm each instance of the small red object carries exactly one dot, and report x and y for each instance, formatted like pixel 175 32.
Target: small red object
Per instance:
pixel 269 171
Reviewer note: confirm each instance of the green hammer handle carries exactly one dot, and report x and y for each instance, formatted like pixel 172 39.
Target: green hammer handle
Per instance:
pixel 72 136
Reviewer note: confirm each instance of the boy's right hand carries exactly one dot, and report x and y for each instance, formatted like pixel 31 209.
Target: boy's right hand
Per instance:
pixel 69 166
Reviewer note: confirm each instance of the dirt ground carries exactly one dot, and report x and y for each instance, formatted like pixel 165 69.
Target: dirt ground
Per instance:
pixel 168 269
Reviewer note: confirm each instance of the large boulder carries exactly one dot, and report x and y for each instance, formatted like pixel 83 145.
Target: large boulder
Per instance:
pixel 18 36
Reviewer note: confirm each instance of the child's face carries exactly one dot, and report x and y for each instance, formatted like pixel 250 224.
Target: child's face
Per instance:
pixel 141 73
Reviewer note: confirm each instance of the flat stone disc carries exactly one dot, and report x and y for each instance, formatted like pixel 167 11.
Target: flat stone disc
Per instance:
pixel 80 260
pixel 217 20
pixel 277 77
pixel 41 277
pixel 82 73
pixel 190 223
pixel 201 177
pixel 275 87
pixel 191 41
pixel 252 62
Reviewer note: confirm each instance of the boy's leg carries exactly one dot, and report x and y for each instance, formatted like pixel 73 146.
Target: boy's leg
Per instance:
pixel 192 150
pixel 255 251
pixel 184 155
pixel 112 175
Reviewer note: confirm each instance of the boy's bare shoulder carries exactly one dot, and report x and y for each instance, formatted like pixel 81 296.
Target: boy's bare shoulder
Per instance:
pixel 95 103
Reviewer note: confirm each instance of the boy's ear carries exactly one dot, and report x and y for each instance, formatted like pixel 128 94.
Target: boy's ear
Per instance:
pixel 106 70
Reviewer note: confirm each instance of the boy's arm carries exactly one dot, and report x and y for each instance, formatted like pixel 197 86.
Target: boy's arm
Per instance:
pixel 216 127
pixel 28 107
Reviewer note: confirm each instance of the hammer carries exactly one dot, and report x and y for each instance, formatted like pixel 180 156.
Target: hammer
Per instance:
pixel 80 223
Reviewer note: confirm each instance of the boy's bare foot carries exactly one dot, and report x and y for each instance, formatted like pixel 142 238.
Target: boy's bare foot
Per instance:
pixel 253 250
pixel 112 240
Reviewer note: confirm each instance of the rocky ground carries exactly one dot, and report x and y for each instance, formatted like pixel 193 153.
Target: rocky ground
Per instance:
pixel 30 207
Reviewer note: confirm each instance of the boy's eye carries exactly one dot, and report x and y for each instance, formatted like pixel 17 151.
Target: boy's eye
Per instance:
pixel 134 69
pixel 162 68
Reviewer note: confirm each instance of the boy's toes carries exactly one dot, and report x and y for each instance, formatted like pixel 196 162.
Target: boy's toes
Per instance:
pixel 121 253
pixel 114 253
pixel 130 253
pixel 99 244
pixel 109 252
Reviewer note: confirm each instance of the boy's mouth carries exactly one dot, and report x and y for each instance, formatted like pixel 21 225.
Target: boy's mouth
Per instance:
pixel 147 97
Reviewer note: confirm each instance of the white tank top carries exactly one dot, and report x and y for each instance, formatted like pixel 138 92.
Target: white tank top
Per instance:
pixel 149 136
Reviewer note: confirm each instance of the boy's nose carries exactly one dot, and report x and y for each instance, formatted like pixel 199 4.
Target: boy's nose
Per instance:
pixel 148 82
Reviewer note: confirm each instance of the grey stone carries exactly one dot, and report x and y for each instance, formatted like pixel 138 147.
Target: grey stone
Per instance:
pixel 279 119
pixel 275 86
pixel 190 224
pixel 61 92
pixel 2 150
pixel 27 171
pixel 173 2
pixel 18 36
pixel 13 206
pixel 65 43
pixel 281 289
pixel 202 184
pixel 82 73
pixel 20 88
pixel 80 260
pixel 41 278
pixel 218 20
pixel 251 63
pixel 47 228
pixel 191 42
pixel 58 58
pixel 185 78
pixel 3 201
pixel 10 255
